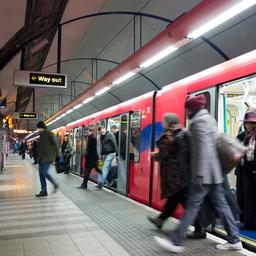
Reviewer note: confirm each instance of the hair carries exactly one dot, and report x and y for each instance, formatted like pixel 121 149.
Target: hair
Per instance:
pixel 100 127
pixel 114 127
pixel 41 125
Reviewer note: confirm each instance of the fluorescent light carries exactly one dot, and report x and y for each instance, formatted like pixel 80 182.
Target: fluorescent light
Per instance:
pixel 105 89
pixel 88 100
pixel 230 13
pixel 158 56
pixel 123 78
pixel 69 111
pixel 78 106
pixel 63 115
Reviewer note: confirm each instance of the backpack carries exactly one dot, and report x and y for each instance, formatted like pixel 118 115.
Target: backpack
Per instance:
pixel 231 151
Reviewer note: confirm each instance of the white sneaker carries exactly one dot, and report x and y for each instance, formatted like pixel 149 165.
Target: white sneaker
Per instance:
pixel 230 247
pixel 168 245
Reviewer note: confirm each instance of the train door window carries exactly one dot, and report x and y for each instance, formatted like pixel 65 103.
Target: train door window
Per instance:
pixel 235 99
pixel 210 102
pixel 134 147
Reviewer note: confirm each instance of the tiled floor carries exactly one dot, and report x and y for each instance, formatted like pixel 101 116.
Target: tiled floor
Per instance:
pixel 74 222
pixel 52 226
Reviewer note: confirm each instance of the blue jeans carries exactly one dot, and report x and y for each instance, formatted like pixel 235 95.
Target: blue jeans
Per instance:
pixel 196 198
pixel 105 169
pixel 43 174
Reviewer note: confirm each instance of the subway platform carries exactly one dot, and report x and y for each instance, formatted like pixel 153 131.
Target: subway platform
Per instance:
pixel 77 223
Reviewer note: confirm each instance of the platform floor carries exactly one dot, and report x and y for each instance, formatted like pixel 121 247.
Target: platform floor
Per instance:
pixel 74 222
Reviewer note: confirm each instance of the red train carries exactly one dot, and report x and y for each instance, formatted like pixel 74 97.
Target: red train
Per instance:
pixel 230 89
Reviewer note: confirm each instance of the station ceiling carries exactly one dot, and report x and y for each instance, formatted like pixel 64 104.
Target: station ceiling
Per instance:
pixel 111 37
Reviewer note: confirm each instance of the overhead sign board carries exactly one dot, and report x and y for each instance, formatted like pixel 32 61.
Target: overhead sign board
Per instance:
pixel 39 79
pixel 25 115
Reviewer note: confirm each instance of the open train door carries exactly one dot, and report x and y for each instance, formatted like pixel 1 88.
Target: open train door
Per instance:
pixel 123 155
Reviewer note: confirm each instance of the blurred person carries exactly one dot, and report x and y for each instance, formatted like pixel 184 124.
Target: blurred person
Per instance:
pixel 91 156
pixel 108 152
pixel 16 147
pixel 35 151
pixel 116 133
pixel 66 151
pixel 207 179
pixel 23 149
pixel 173 156
pixel 30 147
pixel 47 153
pixel 246 173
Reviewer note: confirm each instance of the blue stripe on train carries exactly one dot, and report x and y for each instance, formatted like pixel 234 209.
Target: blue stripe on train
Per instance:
pixel 145 136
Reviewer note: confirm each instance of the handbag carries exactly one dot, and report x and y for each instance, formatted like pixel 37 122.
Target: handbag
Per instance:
pixel 231 151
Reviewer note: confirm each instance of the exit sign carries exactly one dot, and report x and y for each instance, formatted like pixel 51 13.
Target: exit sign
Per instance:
pixel 28 115
pixel 39 79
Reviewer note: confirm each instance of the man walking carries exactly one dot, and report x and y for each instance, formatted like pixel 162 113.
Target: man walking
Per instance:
pixel 91 156
pixel 108 153
pixel 207 179
pixel 47 152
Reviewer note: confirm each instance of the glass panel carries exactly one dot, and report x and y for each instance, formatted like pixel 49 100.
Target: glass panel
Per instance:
pixel 135 137
pixel 123 137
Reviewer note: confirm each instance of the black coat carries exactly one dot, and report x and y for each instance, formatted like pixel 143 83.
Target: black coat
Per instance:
pixel 91 152
pixel 35 149
pixel 246 186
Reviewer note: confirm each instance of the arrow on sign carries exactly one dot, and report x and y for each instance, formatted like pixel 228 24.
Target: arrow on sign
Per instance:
pixel 33 78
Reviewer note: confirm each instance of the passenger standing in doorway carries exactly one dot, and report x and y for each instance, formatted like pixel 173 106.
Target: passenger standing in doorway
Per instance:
pixel 66 151
pixel 207 179
pixel 246 173
pixel 91 156
pixel 116 133
pixel 47 152
pixel 172 145
pixel 108 152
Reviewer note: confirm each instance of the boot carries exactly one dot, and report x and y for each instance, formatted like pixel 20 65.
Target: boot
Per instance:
pixel 42 194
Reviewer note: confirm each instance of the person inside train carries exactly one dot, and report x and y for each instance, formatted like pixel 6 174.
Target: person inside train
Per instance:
pixel 116 133
pixel 246 173
pixel 109 151
pixel 207 179
pixel 67 151
pixel 173 155
pixel 91 155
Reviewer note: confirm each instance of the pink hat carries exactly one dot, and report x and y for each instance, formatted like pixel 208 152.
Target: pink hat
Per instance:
pixel 196 103
pixel 250 117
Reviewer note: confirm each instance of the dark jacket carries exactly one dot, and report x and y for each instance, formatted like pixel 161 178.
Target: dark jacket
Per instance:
pixel 91 152
pixel 123 143
pixel 23 148
pixel 246 185
pixel 48 149
pixel 171 180
pixel 108 144
pixel 66 149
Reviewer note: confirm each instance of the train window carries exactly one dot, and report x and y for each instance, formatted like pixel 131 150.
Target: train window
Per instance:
pixel 235 99
pixel 135 137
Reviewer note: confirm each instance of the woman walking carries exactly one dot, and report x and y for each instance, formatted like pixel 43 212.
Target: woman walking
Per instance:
pixel 66 151
pixel 172 147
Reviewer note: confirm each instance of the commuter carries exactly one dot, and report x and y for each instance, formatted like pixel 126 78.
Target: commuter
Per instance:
pixel 207 179
pixel 35 151
pixel 91 156
pixel 108 152
pixel 116 133
pixel 246 173
pixel 66 151
pixel 47 153
pixel 30 146
pixel 16 147
pixel 172 145
pixel 23 149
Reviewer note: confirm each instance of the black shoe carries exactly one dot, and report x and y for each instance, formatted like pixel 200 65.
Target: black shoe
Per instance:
pixel 156 221
pixel 197 235
pixel 41 194
pixel 83 186
pixel 98 186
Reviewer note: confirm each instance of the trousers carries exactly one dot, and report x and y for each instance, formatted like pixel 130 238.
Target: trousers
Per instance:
pixel 43 174
pixel 196 198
